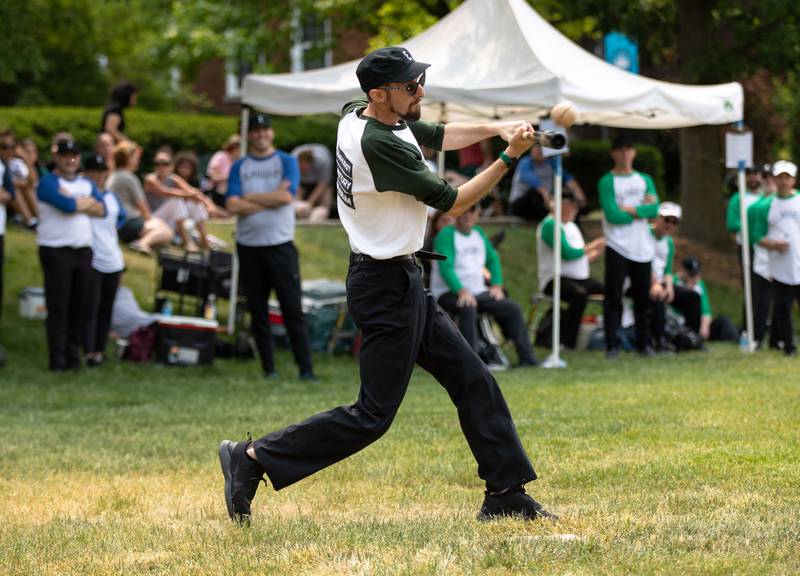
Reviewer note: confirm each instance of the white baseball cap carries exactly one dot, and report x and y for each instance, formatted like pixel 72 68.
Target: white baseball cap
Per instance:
pixel 784 167
pixel 667 209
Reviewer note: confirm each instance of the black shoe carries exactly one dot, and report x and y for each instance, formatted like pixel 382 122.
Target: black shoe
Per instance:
pixel 527 363
pixel 272 375
pixel 612 353
pixel 514 502
pixel 647 352
pixel 242 476
pixel 94 362
pixel 309 377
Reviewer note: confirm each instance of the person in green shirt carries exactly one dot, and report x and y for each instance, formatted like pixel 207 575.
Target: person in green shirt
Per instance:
pixel 695 307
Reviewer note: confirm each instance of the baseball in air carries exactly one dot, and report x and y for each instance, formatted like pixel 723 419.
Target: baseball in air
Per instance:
pixel 564 114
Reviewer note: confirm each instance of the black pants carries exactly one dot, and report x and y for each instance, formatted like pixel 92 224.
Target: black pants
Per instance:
pixel 2 255
pixel 506 312
pixel 267 268
pixel 686 301
pixel 617 269
pixel 531 206
pixel 575 293
pixel 785 296
pixel 762 304
pixel 66 285
pixel 401 324
pixel 102 291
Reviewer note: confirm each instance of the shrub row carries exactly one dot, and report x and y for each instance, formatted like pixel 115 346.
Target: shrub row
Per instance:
pixel 588 160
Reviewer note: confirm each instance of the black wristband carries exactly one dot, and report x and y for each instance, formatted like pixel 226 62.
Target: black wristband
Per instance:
pixel 507 160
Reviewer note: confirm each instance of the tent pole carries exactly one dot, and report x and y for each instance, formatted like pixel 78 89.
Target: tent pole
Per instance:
pixel 554 360
pixel 748 289
pixel 440 153
pixel 234 293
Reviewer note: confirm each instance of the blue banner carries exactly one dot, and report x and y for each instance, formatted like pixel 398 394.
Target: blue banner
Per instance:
pixel 621 51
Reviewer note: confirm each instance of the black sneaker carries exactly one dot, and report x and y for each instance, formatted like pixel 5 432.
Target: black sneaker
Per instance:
pixel 514 502
pixel 242 476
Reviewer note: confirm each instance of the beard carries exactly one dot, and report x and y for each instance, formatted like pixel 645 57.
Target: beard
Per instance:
pixel 413 114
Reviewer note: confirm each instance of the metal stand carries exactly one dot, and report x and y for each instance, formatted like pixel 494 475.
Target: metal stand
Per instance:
pixel 554 360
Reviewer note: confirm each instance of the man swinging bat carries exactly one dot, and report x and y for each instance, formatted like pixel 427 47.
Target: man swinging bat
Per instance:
pixel 383 187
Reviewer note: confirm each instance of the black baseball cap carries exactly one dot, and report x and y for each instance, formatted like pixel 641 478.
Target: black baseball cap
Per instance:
pixel 259 120
pixel 621 141
pixel 384 65
pixel 692 265
pixel 95 162
pixel 67 147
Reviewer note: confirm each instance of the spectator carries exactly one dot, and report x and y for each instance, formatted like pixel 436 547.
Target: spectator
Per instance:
pixel 532 186
pixel 662 286
pixel 435 223
pixel 315 194
pixel 29 152
pixel 475 158
pixel 628 199
pixel 458 283
pixel 219 167
pixel 22 178
pixel 175 201
pixel 57 137
pixel 576 255
pixel 775 225
pixel 104 146
pixel 123 96
pixel 141 229
pixel 107 265
pixel 6 196
pixel 67 202
pixel 261 187
pixel 695 306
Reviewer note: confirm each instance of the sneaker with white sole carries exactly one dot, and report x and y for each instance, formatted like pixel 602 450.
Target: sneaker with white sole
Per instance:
pixel 512 503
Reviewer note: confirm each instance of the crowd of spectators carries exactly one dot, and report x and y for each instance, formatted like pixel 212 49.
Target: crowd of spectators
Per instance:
pixel 84 204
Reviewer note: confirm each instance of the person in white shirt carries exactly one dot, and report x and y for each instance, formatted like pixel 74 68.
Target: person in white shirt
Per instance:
pixel 315 193
pixel 628 199
pixel 576 255
pixel 67 203
pixel 775 225
pixel 107 264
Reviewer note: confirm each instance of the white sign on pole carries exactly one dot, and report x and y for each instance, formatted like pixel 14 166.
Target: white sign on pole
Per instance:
pixel 738 148
pixel 549 125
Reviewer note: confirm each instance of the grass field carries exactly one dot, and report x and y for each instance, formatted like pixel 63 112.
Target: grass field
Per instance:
pixel 681 465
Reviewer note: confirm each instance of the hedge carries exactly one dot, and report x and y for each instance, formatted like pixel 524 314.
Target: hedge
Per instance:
pixel 203 134
pixel 200 133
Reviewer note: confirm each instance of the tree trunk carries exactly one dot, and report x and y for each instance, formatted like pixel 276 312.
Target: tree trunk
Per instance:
pixel 702 194
pixel 701 155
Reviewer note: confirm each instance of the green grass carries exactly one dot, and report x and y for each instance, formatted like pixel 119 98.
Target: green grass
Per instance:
pixel 682 465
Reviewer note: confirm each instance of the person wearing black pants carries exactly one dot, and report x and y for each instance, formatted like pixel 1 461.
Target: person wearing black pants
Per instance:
pixel 383 186
pixel 628 199
pixel 261 189
pixel 267 268
pixel 617 269
pixel 67 202
pixel 576 293
pixel 785 297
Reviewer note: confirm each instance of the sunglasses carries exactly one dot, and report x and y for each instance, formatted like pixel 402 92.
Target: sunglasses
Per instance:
pixel 673 221
pixel 163 162
pixel 6 146
pixel 410 87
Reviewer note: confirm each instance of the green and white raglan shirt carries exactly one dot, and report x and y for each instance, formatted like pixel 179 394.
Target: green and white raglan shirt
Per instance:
pixel 701 290
pixel 778 218
pixel 467 255
pixel 383 183
pixel 733 221
pixel 574 262
pixel 628 236
pixel 664 254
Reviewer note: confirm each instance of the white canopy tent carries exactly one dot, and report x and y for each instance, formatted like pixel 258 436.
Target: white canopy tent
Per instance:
pixel 500 59
pixel 493 59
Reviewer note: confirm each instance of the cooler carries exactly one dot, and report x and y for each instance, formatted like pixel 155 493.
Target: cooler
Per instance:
pixel 185 340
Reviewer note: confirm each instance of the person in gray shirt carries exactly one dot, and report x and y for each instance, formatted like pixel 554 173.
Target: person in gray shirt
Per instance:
pixel 261 188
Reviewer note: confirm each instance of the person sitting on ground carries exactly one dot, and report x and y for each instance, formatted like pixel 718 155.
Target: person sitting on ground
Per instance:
pixel 697 312
pixel 219 167
pixel 576 255
pixel 104 146
pixel 175 201
pixel 6 196
pixel 459 285
pixel 662 288
pixel 24 203
pixel 532 186
pixel 144 232
pixel 186 167
pixel 315 195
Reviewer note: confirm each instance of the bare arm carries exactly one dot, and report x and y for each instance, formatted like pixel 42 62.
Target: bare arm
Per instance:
pixel 90 206
pixel 112 127
pixel 152 185
pixel 459 135
pixel 241 207
pixel 274 199
pixel 476 188
pixel 5 197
